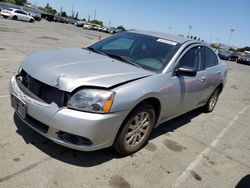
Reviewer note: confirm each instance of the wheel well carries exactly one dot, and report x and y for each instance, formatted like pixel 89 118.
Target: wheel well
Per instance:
pixel 155 103
pixel 152 101
pixel 220 87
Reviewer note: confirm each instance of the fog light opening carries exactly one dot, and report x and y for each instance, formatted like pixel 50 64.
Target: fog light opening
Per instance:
pixel 73 139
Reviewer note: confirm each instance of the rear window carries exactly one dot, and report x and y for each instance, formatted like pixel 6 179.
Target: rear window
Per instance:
pixel 210 58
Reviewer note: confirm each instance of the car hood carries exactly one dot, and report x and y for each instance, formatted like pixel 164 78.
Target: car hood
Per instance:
pixel 68 69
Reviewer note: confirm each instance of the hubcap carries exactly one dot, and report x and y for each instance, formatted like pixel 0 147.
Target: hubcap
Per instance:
pixel 213 101
pixel 138 128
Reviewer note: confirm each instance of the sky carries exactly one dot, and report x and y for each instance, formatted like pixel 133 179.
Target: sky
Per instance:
pixel 211 20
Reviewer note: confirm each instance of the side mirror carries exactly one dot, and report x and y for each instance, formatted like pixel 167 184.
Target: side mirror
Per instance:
pixel 185 71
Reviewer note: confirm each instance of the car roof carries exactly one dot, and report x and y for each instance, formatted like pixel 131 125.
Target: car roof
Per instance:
pixel 171 37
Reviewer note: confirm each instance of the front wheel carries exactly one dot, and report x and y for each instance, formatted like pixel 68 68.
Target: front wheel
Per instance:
pixel 5 17
pixel 31 20
pixel 210 105
pixel 14 18
pixel 135 130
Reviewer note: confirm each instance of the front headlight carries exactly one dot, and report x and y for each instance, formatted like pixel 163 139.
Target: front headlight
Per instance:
pixel 91 100
pixel 19 70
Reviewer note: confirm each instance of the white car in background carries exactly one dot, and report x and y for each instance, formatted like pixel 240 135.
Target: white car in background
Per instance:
pixel 87 26
pixel 16 14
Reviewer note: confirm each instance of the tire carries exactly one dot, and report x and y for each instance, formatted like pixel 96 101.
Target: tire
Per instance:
pixel 31 20
pixel 211 103
pixel 14 18
pixel 135 130
pixel 5 17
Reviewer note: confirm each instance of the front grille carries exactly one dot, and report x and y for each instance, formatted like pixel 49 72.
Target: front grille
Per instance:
pixel 39 90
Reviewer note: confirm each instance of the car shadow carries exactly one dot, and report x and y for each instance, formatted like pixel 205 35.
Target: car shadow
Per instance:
pixel 89 159
pixel 56 151
pixel 172 125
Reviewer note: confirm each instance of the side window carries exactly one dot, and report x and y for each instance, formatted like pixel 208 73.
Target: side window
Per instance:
pixel 24 13
pixel 20 12
pixel 210 58
pixel 119 44
pixel 192 58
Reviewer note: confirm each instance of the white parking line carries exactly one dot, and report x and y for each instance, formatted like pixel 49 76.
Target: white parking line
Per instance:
pixel 4 96
pixel 199 158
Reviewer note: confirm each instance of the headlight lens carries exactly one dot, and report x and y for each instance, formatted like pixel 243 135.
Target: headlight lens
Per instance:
pixel 19 70
pixel 91 100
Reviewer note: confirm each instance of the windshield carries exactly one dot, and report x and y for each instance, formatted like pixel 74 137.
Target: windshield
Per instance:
pixel 148 52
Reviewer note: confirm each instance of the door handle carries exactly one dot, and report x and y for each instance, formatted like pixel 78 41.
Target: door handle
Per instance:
pixel 202 78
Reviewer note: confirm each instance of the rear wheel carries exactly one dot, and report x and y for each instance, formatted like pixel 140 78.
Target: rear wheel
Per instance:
pixel 211 103
pixel 31 20
pixel 14 18
pixel 136 130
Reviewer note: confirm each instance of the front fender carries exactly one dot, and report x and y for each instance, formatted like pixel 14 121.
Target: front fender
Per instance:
pixel 129 95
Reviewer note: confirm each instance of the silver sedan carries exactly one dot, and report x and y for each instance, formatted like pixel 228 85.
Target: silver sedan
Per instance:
pixel 114 92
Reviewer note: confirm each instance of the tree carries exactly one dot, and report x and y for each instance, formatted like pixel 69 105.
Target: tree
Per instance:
pixel 246 48
pixel 195 37
pixel 121 28
pixel 63 14
pixel 215 46
pixel 76 16
pixel 17 2
pixel 20 2
pixel 98 22
pixel 48 9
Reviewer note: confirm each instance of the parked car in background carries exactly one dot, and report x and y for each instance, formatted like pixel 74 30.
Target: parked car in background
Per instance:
pixel 16 14
pixel 71 21
pixel 80 23
pixel 36 16
pixel 225 55
pixel 114 92
pixel 87 26
pixel 95 27
pixel 244 59
pixel 60 19
pixel 233 56
pixel 103 29
pixel 112 30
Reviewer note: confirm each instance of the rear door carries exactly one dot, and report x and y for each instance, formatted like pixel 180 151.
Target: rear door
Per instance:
pixel 24 16
pixel 213 71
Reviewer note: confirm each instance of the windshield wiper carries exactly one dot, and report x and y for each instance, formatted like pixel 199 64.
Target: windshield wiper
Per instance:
pixel 121 58
pixel 95 50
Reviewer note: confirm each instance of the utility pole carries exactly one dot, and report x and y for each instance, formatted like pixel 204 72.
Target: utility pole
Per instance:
pixel 169 29
pixel 230 36
pixel 95 15
pixel 189 30
pixel 72 11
